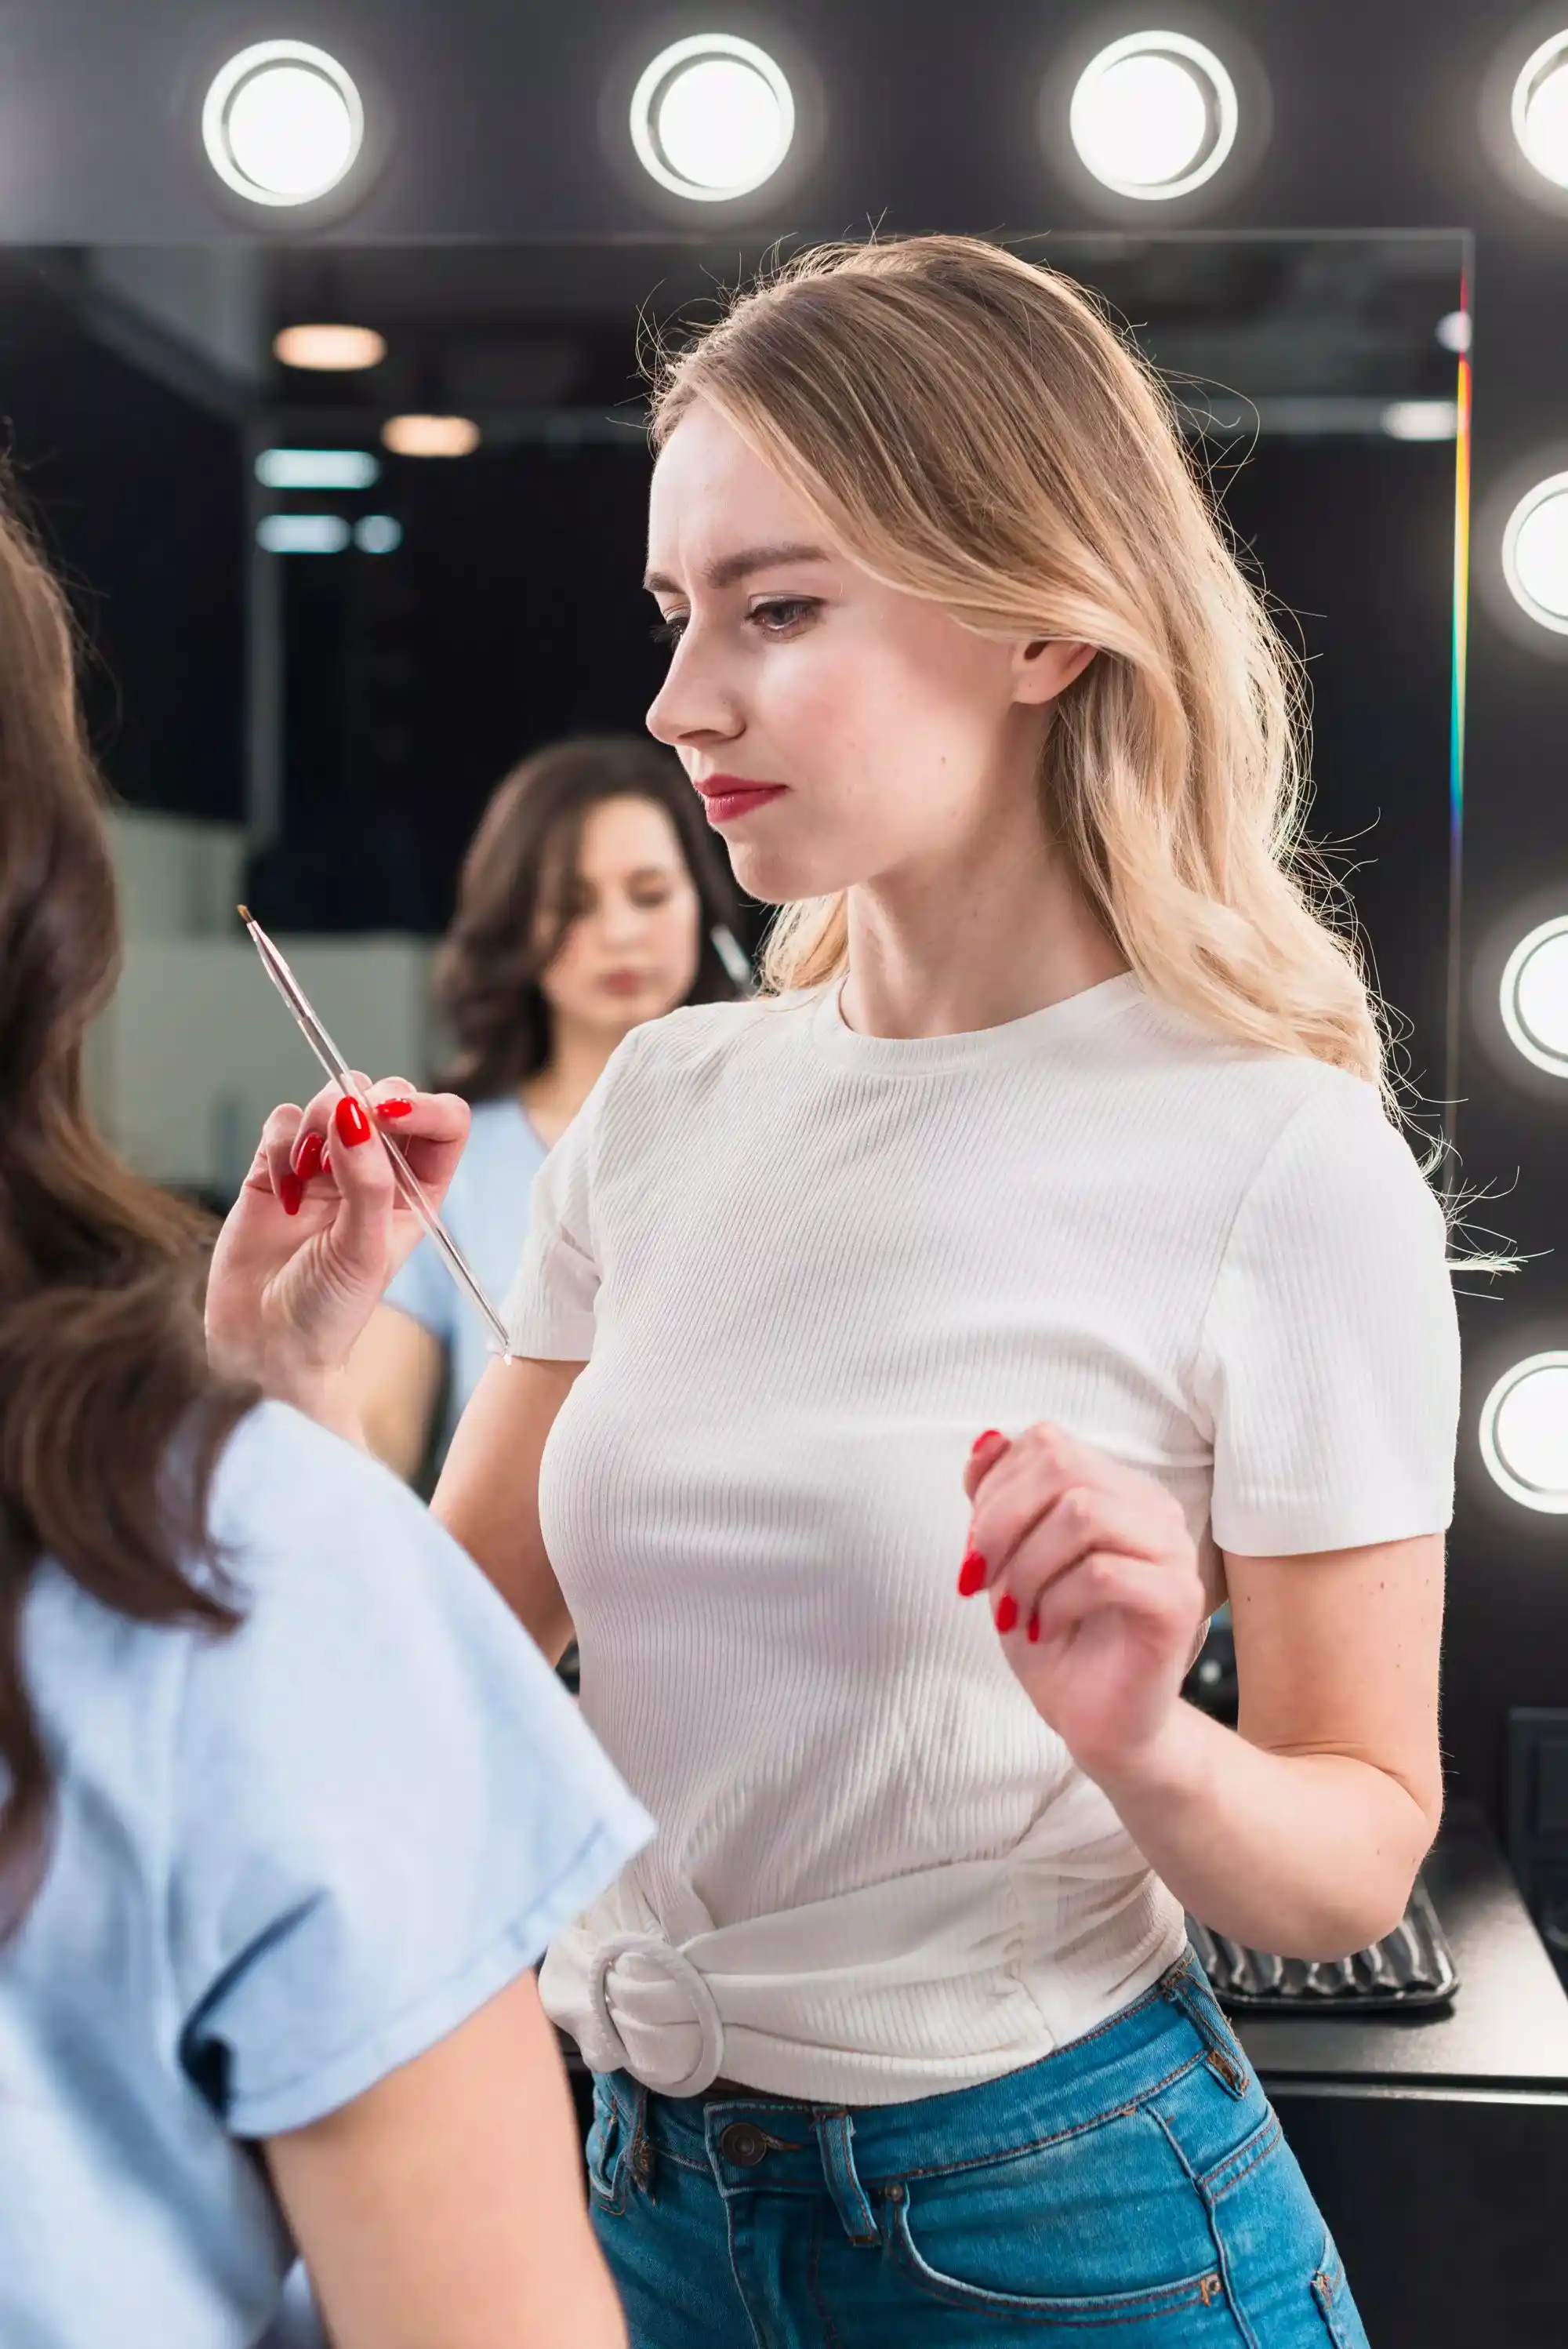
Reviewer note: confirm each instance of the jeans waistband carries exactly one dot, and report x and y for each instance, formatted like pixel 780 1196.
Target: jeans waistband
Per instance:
pixel 1123 2060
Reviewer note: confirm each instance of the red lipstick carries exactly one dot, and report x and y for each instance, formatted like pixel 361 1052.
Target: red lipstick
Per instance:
pixel 727 797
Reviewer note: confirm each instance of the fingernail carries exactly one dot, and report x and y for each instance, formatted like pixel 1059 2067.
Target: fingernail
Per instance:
pixel 1033 1627
pixel 396 1107
pixel 353 1125
pixel 291 1191
pixel 1006 1611
pixel 990 1436
pixel 327 1162
pixel 307 1164
pixel 971 1575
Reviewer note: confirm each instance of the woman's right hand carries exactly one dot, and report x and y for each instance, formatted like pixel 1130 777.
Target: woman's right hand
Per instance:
pixel 317 1231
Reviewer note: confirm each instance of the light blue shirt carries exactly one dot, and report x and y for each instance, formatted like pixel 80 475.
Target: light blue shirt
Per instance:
pixel 486 1211
pixel 283 1864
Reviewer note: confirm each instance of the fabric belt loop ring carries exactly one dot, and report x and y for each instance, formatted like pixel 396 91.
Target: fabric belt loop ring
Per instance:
pixel 665 1956
pixel 834 2133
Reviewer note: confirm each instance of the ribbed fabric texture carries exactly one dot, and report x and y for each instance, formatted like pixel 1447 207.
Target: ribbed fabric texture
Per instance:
pixel 805 1269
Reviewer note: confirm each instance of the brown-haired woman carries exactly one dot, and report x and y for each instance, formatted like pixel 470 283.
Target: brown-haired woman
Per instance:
pixel 288 1803
pixel 587 903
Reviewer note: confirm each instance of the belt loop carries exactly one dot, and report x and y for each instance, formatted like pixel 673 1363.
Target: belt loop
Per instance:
pixel 834 2132
pixel 1187 1987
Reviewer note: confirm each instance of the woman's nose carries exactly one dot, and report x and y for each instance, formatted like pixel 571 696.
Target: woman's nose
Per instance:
pixel 691 706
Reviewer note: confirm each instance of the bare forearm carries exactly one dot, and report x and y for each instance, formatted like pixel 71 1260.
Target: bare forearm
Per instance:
pixel 1306 1855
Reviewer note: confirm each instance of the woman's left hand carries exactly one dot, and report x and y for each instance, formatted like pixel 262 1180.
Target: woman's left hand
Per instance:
pixel 1093 1582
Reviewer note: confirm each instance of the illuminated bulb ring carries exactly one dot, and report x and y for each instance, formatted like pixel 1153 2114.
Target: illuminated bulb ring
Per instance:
pixel 1221 98
pixel 1551 1500
pixel 703 48
pixel 1548 58
pixel 1543 492
pixel 1521 1035
pixel 227 85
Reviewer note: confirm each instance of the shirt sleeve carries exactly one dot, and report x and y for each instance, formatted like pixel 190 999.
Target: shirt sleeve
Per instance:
pixel 1328 1372
pixel 423 1289
pixel 385 1805
pixel 550 1308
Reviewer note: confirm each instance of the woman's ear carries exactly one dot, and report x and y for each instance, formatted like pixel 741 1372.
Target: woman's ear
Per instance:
pixel 1047 666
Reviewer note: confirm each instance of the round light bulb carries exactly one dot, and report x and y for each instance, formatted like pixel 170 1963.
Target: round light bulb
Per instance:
pixel 712 117
pixel 1154 116
pixel 1540 109
pixel 1533 997
pixel 1535 553
pixel 1524 1434
pixel 283 123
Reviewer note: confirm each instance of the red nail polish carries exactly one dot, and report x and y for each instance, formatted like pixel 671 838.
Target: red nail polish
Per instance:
pixel 291 1191
pixel 971 1575
pixel 307 1164
pixel 1034 1628
pixel 396 1107
pixel 327 1162
pixel 353 1125
pixel 1006 1611
pixel 990 1436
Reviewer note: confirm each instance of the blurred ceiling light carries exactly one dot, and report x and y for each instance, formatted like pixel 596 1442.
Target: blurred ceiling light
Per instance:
pixel 430 436
pixel 283 123
pixel 303 533
pixel 378 534
pixel 1535 997
pixel 1540 109
pixel 1535 553
pixel 336 350
pixel 1421 419
pixel 1524 1433
pixel 317 469
pixel 712 117
pixel 1154 116
pixel 1454 331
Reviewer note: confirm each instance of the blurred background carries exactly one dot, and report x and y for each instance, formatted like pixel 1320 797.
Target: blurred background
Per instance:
pixel 327 606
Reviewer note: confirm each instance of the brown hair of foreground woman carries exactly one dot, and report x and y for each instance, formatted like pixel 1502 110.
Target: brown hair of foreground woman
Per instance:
pixel 102 1359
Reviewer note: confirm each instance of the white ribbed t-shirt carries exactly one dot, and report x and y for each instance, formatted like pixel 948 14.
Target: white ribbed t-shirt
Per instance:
pixel 806 1268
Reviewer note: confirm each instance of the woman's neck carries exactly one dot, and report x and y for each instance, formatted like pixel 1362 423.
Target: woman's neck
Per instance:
pixel 991 937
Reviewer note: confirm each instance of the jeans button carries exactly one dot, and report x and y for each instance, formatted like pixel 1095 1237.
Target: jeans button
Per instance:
pixel 743 2143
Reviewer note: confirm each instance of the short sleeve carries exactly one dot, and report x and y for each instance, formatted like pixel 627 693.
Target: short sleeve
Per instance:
pixel 1329 1366
pixel 423 1289
pixel 385 1804
pixel 549 1309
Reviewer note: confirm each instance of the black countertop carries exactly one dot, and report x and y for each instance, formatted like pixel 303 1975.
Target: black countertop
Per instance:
pixel 1506 2028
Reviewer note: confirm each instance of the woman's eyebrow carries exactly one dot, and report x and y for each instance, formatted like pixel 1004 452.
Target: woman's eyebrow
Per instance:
pixel 732 567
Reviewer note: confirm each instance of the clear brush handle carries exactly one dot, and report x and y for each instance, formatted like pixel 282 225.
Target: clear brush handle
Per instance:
pixel 407 1182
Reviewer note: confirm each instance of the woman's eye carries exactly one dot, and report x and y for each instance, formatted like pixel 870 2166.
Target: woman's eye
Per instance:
pixel 668 632
pixel 782 613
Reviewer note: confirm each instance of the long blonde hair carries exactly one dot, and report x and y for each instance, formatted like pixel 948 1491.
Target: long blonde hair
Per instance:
pixel 972 429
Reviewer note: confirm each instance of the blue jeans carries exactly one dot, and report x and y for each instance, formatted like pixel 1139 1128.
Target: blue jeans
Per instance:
pixel 1133 2188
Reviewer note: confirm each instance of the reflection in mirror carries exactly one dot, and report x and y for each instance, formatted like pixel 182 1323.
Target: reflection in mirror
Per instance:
pixel 332 605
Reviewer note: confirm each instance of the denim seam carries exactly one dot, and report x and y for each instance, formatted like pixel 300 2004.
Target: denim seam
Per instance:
pixel 728 2202
pixel 1222 2257
pixel 1059 2136
pixel 814 2279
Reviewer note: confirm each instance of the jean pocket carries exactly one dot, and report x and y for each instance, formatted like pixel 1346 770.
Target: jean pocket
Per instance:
pixel 605 2152
pixel 1190 2297
pixel 1335 2306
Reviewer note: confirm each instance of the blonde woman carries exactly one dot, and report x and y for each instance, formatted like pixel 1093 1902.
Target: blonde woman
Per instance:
pixel 909 1362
